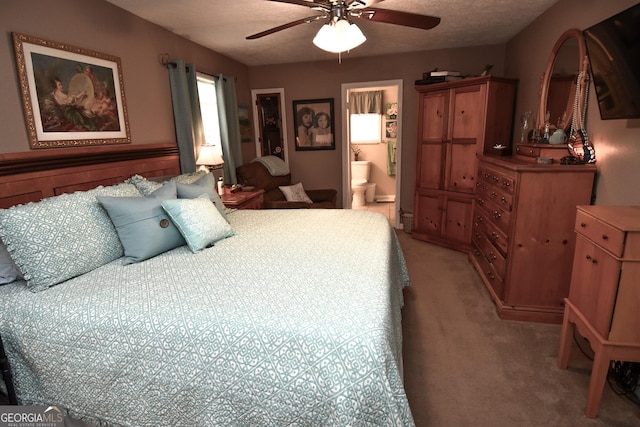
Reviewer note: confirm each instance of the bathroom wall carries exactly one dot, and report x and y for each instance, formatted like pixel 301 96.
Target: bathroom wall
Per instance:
pixel 377 153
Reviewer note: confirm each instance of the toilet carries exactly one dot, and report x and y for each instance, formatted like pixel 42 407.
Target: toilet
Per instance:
pixel 359 176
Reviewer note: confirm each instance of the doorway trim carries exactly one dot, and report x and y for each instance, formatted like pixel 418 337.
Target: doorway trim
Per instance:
pixel 283 118
pixel 346 151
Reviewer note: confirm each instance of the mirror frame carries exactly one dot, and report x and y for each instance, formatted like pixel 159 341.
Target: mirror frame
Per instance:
pixel 546 77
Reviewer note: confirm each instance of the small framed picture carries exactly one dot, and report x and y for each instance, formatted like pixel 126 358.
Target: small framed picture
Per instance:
pixel 314 124
pixel 71 96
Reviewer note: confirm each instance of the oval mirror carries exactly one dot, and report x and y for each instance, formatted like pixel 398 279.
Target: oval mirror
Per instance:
pixel 558 86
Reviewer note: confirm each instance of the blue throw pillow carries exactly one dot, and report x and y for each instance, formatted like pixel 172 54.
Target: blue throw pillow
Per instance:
pixel 199 222
pixel 205 185
pixel 144 228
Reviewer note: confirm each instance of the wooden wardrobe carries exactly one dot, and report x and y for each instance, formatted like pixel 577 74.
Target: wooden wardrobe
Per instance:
pixel 457 122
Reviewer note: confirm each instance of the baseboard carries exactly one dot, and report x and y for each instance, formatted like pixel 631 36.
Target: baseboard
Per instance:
pixel 388 198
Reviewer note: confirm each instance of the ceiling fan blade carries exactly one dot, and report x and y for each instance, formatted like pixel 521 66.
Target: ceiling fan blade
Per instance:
pixel 406 19
pixel 358 4
pixel 285 26
pixel 321 4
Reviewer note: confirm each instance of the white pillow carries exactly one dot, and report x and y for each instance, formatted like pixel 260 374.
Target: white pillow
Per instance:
pixel 295 193
pixel 8 269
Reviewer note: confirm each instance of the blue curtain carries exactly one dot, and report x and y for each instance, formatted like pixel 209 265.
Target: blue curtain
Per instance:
pixel 229 126
pixel 186 112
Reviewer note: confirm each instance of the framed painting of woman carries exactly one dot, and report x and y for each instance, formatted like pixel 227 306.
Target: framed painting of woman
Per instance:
pixel 71 96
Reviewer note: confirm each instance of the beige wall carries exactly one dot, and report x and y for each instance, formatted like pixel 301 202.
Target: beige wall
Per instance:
pixel 100 26
pixel 617 142
pixel 312 80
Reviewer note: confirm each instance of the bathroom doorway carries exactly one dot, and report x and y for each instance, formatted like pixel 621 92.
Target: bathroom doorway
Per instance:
pixel 391 134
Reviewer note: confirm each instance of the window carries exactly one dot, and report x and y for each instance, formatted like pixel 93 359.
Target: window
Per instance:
pixel 366 128
pixel 209 110
pixel 365 124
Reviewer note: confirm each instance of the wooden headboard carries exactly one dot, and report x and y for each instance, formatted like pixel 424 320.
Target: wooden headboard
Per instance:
pixel 32 176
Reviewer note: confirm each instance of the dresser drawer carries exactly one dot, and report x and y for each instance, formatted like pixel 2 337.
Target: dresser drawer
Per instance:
pixel 488 271
pixel 602 234
pixel 488 191
pixel 493 256
pixel 499 216
pixel 497 179
pixel 528 151
pixel 493 233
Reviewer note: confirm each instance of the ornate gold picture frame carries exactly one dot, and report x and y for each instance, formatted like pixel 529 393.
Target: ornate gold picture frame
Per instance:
pixel 71 96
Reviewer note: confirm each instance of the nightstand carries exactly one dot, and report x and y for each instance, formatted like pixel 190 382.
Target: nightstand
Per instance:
pixel 244 200
pixel 604 295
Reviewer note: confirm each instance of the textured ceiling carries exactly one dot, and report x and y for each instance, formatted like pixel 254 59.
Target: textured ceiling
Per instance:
pixel 222 26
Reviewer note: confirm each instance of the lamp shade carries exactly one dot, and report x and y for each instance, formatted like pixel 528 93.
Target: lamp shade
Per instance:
pixel 339 36
pixel 209 156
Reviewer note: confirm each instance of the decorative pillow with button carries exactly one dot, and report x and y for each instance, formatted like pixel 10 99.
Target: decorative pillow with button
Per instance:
pixel 199 222
pixel 61 237
pixel 144 228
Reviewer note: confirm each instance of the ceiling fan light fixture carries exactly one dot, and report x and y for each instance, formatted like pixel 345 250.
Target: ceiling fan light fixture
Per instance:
pixel 339 36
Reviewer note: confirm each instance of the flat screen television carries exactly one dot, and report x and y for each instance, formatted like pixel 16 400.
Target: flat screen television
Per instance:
pixel 613 46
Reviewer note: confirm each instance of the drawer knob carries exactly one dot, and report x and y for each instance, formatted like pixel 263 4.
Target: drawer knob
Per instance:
pixel 497 214
pixel 506 184
pixel 503 200
pixel 583 225
pixel 605 237
pixel 590 258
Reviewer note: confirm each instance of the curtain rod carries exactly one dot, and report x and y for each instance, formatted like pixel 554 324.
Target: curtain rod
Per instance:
pixel 165 61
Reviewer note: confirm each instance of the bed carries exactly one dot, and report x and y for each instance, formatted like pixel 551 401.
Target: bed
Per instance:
pixel 292 319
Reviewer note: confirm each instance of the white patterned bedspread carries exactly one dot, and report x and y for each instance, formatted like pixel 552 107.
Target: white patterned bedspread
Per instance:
pixel 294 321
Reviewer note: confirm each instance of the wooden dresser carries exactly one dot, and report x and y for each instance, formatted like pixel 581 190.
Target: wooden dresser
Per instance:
pixel 604 297
pixel 457 121
pixel 523 239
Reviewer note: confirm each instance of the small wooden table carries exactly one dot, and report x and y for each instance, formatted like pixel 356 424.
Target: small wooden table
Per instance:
pixel 244 200
pixel 604 295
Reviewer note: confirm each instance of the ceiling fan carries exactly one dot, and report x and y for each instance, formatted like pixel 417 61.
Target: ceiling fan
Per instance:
pixel 340 34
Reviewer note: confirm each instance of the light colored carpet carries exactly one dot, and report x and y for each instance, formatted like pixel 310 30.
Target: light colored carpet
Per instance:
pixel 464 366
